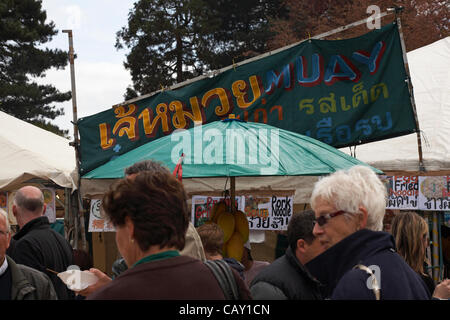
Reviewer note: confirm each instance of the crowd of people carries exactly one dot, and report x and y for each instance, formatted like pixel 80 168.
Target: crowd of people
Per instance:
pixel 335 251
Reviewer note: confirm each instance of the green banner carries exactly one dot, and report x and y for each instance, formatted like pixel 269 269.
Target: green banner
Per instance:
pixel 342 92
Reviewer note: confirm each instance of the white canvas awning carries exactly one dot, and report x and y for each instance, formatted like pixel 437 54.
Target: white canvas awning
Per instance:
pixel 28 152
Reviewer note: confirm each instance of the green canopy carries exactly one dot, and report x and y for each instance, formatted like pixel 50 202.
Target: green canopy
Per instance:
pixel 234 148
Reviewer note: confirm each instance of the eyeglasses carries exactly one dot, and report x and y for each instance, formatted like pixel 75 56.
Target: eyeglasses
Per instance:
pixel 324 219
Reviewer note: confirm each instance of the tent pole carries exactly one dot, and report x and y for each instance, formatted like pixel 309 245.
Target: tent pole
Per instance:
pixel 410 87
pixel 75 144
pixel 232 193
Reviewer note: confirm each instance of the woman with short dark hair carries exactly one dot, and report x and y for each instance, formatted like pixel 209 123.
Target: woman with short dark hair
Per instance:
pixel 150 215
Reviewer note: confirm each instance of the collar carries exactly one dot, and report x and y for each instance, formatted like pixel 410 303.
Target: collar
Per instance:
pixel 4 266
pixel 333 263
pixel 30 225
pixel 158 256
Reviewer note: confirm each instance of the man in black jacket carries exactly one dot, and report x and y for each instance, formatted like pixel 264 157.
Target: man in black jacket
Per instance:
pixel 286 277
pixel 37 245
pixel 19 282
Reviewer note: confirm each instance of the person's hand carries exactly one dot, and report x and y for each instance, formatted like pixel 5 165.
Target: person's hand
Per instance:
pixel 103 280
pixel 442 290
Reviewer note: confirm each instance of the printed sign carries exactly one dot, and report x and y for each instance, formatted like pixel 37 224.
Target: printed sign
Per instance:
pixel 342 92
pixel 4 200
pixel 49 200
pixel 97 220
pixel 434 193
pixel 403 192
pixel 202 207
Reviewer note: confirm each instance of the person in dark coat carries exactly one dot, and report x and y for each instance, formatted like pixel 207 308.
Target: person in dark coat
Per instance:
pixel 287 277
pixel 36 244
pixel 19 282
pixel 150 215
pixel 360 261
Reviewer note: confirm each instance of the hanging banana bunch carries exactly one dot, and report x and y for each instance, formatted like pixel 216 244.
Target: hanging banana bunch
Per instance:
pixel 235 229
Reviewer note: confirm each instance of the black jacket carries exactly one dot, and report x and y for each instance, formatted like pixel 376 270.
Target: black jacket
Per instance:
pixel 29 284
pixel 376 250
pixel 285 278
pixel 38 246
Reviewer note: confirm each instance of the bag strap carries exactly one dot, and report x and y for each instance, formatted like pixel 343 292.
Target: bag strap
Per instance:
pixel 225 278
pixel 375 286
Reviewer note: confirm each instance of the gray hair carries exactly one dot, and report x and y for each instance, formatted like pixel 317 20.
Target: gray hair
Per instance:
pixel 348 190
pixel 145 165
pixel 28 203
pixel 3 213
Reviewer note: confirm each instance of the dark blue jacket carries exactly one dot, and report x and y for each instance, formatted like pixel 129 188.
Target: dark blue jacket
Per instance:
pixel 285 279
pixel 334 269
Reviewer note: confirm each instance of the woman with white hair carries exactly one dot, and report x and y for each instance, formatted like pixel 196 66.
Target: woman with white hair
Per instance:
pixel 360 261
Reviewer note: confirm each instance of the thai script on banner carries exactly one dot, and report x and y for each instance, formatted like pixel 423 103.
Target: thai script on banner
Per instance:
pixel 342 92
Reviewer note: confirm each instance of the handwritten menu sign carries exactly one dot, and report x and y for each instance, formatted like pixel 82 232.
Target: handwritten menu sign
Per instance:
pixel 403 192
pixel 269 213
pixel 263 212
pixel 434 193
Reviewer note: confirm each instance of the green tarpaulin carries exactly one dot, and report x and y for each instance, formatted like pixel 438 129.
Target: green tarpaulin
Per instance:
pixel 234 148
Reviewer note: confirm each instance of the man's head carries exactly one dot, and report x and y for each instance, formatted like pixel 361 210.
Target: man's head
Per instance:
pixel 144 165
pixel 347 201
pixel 300 236
pixel 5 235
pixel 28 204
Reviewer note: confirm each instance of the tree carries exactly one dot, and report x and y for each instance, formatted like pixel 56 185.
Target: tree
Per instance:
pixel 243 30
pixel 22 31
pixel 423 21
pixel 175 40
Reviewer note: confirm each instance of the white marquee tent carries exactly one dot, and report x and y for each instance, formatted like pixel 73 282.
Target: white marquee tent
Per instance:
pixel 28 152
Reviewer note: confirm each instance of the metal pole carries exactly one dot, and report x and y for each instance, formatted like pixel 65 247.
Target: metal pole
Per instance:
pixel 410 87
pixel 75 144
pixel 232 193
pixel 435 250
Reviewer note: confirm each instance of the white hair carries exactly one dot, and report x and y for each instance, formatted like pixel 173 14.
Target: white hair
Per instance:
pixel 348 190
pixel 3 213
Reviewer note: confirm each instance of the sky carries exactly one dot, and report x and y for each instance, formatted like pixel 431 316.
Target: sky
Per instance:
pixel 100 78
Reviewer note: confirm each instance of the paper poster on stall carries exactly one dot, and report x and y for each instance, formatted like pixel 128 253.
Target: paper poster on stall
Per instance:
pixel 434 193
pixel 4 200
pixel 269 212
pixel 97 220
pixel 402 191
pixel 202 207
pixel 49 200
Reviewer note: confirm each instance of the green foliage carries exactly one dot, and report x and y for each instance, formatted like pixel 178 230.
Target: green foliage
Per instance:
pixel 171 41
pixel 22 30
